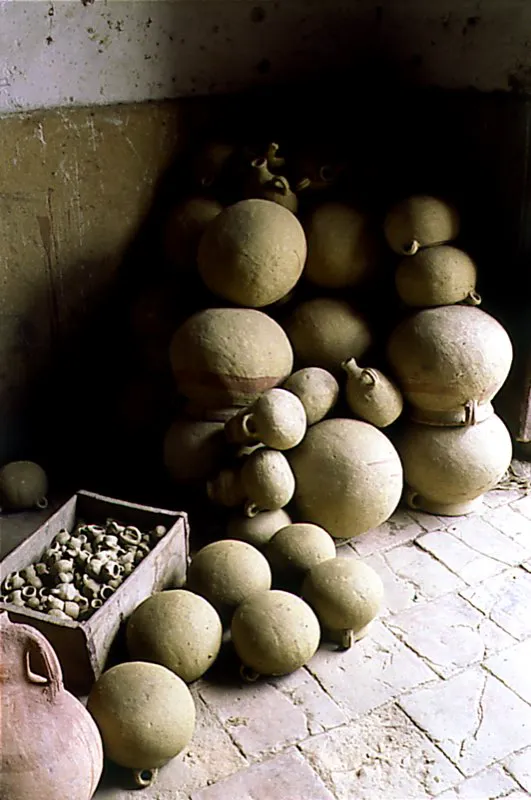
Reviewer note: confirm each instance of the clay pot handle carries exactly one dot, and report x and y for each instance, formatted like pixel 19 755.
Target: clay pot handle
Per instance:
pixel 412 498
pixel 368 377
pixel 248 426
pixel 280 184
pixel 411 248
pixel 472 299
pixel 53 680
pixel 144 777
pixel 42 502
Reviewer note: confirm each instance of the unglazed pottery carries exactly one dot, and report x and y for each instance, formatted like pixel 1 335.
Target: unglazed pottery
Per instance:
pixel 50 745
pixel 348 477
pixel 226 488
pixel 420 221
pixel 260 528
pixel 317 389
pixel 325 332
pixel 274 633
pixel 450 362
pixel 267 481
pixel 23 484
pixel 266 185
pixel 193 450
pixel 253 253
pixel 224 357
pixel 342 247
pixel 371 395
pixel 211 162
pixel 277 419
pixel 437 276
pixel 178 629
pixel 446 469
pixel 146 716
pixel 346 595
pixel 185 225
pixel 295 549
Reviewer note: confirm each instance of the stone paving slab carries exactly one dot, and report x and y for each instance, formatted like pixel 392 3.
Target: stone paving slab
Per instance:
pixel 472 717
pixel 506 600
pixel 523 505
pixel 492 783
pixel 321 712
pixel 487 540
pixel 398 593
pixel 513 524
pixel 382 756
pixel 519 765
pixel 428 577
pixel 513 668
pixel 400 528
pixel 501 497
pixel 466 562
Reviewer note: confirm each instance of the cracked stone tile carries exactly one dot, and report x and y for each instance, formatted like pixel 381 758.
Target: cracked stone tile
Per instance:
pixel 430 522
pixel 399 528
pixel 370 673
pixel 470 565
pixel 449 634
pixel 501 497
pixel 382 755
pixel 512 667
pixel 526 565
pixel 492 783
pixel 286 776
pixel 523 505
pixel 399 594
pixel 519 765
pixel 321 712
pixel 428 577
pixel 513 524
pixel 259 718
pixel 487 540
pixel 505 599
pixel 472 717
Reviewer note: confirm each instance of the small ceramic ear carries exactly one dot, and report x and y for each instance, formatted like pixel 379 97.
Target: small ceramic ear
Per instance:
pixel 411 248
pixel 248 674
pixel 42 502
pixel 251 509
pixel 412 498
pixel 472 299
pixel 367 377
pixel 248 425
pixel 280 184
pixel 144 777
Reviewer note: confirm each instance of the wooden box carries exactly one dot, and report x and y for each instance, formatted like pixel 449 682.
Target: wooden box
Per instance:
pixel 83 647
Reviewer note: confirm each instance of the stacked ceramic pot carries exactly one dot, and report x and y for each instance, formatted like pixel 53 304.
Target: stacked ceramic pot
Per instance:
pixel 450 359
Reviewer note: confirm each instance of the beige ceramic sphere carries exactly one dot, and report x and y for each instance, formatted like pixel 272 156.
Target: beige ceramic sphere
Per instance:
pixel 23 484
pixel 437 276
pixel 267 480
pixel 348 477
pixel 345 593
pixel 253 253
pixel 295 549
pixel 317 389
pixel 325 331
pixel 277 419
pixel 448 467
pixel 145 713
pixel 178 629
pixel 274 633
pixel 228 571
pixel 185 225
pixel 341 246
pixel 257 530
pixel 224 357
pixel 420 221
pixel 446 358
pixel 194 449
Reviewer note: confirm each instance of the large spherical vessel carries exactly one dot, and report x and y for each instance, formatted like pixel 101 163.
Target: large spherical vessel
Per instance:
pixel 224 357
pixel 437 276
pixel 253 253
pixel 420 221
pixel 450 362
pixel 348 477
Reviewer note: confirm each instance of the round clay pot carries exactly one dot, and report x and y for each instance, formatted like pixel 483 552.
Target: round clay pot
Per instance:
pixel 346 595
pixel 437 276
pixel 450 362
pixel 211 162
pixel 194 450
pixel 185 225
pixel 277 419
pixel 348 477
pixel 420 221
pixel 267 481
pixel 317 389
pixel 227 572
pixel 146 716
pixel 23 484
pixel 177 629
pixel 448 468
pixel 325 332
pixel 253 253
pixel 51 747
pixel 295 549
pixel 266 185
pixel 257 530
pixel 274 633
pixel 342 249
pixel 224 357
pixel 226 488
pixel 372 396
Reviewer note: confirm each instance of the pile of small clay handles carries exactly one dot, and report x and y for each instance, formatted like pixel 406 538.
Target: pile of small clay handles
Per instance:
pixel 79 571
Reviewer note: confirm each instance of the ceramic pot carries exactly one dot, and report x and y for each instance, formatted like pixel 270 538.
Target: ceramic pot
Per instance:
pixel 295 549
pixel 224 357
pixel 267 481
pixel 194 450
pixel 437 276
pixel 264 184
pixel 226 489
pixel 257 530
pixel 450 362
pixel 420 221
pixel 51 746
pixel 447 470
pixel 342 248
pixel 253 253
pixel 348 477
pixel 371 396
pixel 23 484
pixel 210 163
pixel 317 389
pixel 277 419
pixel 325 332
pixel 185 225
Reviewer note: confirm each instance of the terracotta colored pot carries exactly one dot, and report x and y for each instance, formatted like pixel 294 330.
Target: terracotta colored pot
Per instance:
pixel 448 469
pixel 51 747
pixel 420 221
pixel 372 396
pixel 450 362
pixel 437 276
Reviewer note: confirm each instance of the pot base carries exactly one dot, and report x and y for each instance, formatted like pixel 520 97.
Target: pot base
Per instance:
pixel 419 503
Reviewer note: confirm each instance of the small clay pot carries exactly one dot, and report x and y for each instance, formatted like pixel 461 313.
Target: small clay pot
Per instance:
pixel 317 389
pixel 185 225
pixel 211 162
pixel 295 549
pixel 420 221
pixel 226 488
pixel 266 185
pixel 23 484
pixel 257 530
pixel 371 396
pixel 267 481
pixel 437 276
pixel 277 419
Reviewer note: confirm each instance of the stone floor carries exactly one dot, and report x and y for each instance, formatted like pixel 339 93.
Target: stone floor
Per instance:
pixel 435 702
